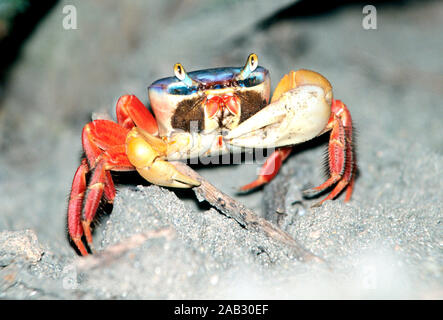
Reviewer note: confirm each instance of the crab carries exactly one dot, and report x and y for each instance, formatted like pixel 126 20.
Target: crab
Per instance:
pixel 207 112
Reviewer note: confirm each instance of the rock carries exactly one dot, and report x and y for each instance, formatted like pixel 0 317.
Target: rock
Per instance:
pixel 390 237
pixel 21 245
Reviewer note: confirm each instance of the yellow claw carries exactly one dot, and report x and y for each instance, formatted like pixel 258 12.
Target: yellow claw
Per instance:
pixel 147 153
pixel 299 78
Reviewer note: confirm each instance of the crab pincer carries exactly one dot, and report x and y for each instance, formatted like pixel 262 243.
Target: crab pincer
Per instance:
pixel 301 109
pixel 147 153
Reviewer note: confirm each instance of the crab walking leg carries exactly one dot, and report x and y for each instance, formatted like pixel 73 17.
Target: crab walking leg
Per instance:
pixel 117 161
pixel 350 169
pixel 109 188
pixel 93 196
pixel 101 184
pixel 342 165
pixel 97 136
pixel 345 181
pixel 269 169
pixel 350 187
pixel 101 135
pixel 79 184
pixel 336 155
pixel 75 206
pixel 131 112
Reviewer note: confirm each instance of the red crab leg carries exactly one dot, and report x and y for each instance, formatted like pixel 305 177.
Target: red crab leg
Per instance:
pixel 131 111
pixel 109 188
pixel 104 144
pixel 350 186
pixel 270 168
pixel 97 136
pixel 101 183
pixel 93 196
pixel 341 154
pixel 336 153
pixel 76 197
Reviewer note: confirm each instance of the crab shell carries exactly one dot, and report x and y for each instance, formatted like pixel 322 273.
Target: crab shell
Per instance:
pixel 182 117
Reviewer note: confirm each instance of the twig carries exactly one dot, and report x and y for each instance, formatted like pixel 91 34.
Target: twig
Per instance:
pixel 244 216
pixel 113 252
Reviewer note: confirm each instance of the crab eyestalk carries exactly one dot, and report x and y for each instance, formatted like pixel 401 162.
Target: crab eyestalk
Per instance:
pixel 180 74
pixel 250 66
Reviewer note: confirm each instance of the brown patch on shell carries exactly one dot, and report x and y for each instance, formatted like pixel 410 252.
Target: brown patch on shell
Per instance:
pixel 191 110
pixel 187 111
pixel 251 103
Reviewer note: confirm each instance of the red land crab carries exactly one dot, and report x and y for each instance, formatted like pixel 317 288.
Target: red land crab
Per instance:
pixel 209 112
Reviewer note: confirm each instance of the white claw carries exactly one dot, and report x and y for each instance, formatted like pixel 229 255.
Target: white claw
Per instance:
pixel 299 115
pixel 273 113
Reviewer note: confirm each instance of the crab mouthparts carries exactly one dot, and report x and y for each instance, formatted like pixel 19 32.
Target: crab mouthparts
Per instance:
pixel 215 103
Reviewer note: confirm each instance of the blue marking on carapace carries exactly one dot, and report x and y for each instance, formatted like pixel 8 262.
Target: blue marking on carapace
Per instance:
pixel 213 78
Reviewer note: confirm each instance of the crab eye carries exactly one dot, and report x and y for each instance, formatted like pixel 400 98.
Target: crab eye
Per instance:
pixel 181 75
pixel 253 61
pixel 179 72
pixel 250 66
